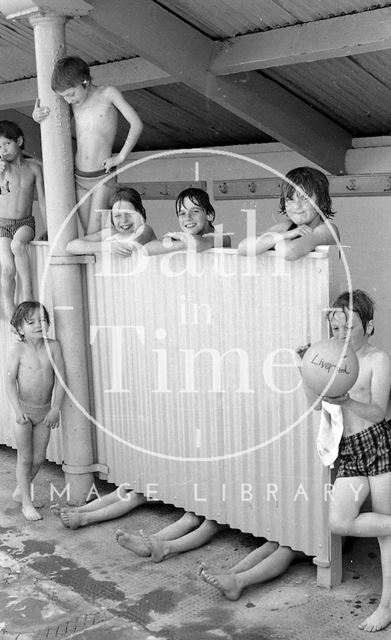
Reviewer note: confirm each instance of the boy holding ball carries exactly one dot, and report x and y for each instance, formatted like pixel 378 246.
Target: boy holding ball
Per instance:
pixel 365 446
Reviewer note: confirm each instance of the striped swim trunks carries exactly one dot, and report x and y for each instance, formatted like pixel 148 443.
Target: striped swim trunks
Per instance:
pixel 9 226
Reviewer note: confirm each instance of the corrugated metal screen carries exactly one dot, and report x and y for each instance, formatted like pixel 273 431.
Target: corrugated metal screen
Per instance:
pixel 198 399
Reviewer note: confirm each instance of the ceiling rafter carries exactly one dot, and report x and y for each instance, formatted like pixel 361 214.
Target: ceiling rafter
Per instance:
pixel 135 73
pixel 323 39
pixel 185 54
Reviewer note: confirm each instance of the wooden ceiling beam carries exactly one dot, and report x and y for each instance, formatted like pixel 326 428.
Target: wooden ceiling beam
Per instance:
pixel 125 74
pixel 20 93
pixel 156 35
pixel 184 53
pixel 323 39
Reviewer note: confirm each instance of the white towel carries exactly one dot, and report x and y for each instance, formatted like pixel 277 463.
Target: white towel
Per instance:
pixel 330 432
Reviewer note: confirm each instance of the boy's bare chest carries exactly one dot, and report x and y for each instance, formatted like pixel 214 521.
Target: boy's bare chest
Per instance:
pixel 361 390
pixel 99 114
pixel 19 179
pixel 34 363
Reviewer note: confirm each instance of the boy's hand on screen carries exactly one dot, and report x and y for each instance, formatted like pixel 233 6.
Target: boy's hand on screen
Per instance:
pixel 172 238
pixel 124 249
pixel 304 230
pixel 40 113
pixel 21 418
pixel 119 247
pixel 289 235
pixel 175 235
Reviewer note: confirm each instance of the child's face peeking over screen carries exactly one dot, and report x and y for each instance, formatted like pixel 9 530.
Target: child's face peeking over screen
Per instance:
pixel 193 219
pixel 301 210
pixel 125 217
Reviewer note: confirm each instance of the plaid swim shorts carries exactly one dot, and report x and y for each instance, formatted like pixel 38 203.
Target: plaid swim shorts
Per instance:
pixel 9 226
pixel 367 453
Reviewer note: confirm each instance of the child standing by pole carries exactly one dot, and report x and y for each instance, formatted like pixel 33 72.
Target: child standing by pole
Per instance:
pixel 95 109
pixel 35 364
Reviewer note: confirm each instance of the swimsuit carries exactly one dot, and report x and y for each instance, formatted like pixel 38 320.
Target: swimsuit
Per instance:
pixel 9 226
pixel 86 180
pixel 367 453
pixel 36 413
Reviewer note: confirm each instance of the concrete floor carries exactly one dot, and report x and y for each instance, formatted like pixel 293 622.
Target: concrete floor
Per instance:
pixel 58 583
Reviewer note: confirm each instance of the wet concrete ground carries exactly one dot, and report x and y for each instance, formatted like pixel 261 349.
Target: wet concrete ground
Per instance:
pixel 58 583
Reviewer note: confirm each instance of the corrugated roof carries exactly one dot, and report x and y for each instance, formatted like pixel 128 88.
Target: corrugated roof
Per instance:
pixel 84 38
pixel 353 91
pixel 17 54
pixel 228 18
pixel 176 116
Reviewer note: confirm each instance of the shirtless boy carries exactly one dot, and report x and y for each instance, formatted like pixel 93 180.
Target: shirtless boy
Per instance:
pixel 196 216
pixel 306 209
pixel 365 447
pixel 18 178
pixel 35 393
pixel 128 230
pixel 95 110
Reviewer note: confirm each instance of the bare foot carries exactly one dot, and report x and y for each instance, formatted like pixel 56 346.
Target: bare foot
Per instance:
pixel 72 519
pixel 132 542
pixel 226 583
pixel 38 504
pixel 378 620
pixel 158 548
pixel 55 509
pixel 205 567
pixel 30 513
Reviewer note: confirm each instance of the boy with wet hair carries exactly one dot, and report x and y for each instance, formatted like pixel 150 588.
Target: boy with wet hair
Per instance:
pixel 365 447
pixel 196 216
pixel 35 393
pixel 19 177
pixel 95 109
pixel 362 304
pixel 306 207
